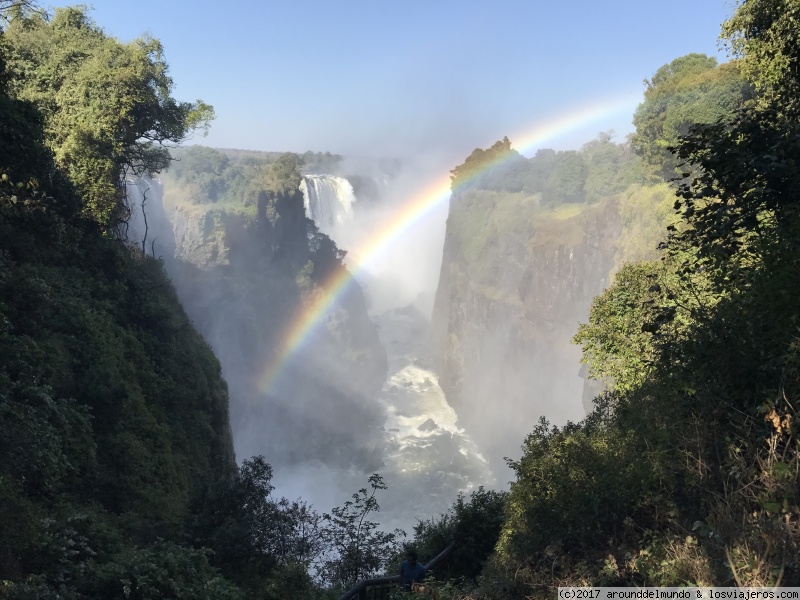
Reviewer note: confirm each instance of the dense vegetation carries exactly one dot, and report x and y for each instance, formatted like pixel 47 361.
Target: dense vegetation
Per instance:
pixel 690 90
pixel 600 169
pixel 233 179
pixel 117 475
pixel 686 472
pixel 106 106
pixel 113 408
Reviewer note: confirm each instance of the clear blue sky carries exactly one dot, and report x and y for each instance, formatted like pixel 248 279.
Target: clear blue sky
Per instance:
pixel 380 77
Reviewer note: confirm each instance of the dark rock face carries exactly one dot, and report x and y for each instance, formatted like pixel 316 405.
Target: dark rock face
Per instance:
pixel 242 280
pixel 502 335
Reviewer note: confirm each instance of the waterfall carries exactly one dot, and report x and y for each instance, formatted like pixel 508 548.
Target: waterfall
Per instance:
pixel 328 200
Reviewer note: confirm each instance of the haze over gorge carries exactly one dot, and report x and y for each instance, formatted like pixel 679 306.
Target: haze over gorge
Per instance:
pixel 359 389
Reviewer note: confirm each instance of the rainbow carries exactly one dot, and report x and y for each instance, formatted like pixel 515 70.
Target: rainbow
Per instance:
pixel 304 323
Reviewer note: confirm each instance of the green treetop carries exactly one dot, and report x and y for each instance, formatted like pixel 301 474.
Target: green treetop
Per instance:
pixel 479 161
pixel 765 34
pixel 107 106
pixel 691 89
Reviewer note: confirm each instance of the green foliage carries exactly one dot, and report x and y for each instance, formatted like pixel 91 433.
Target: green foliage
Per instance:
pixel 116 467
pixel 610 168
pixel 574 487
pixel 499 194
pixel 204 168
pixel 686 472
pixel 262 187
pixel 251 185
pixel 616 342
pixel 474 525
pixel 503 203
pixel 112 408
pixel 114 442
pixel 766 36
pixel 105 329
pixel 601 169
pixel 320 162
pixel 281 178
pixel 106 106
pixel 257 541
pixel 357 548
pixel 270 546
pixel 199 175
pixel 703 341
pixel 163 570
pixel 569 177
pixel 690 90
pixel 646 212
pixel 479 162
pixel 22 151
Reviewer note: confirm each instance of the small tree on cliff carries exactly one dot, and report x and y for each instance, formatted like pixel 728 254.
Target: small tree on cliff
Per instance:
pixel 479 161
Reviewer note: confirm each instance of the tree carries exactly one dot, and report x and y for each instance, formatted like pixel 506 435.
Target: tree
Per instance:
pixel 11 8
pixel 689 90
pixel 765 34
pixel 107 106
pixel 473 523
pixel 479 161
pixel 568 178
pixel 610 168
pixel 164 570
pixel 357 549
pixel 616 342
pixel 706 342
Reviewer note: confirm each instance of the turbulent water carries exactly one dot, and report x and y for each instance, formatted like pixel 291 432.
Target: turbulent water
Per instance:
pixel 328 200
pixel 430 459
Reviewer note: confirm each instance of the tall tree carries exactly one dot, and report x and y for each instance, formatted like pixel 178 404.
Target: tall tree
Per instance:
pixel 357 549
pixel 766 35
pixel 689 90
pixel 107 106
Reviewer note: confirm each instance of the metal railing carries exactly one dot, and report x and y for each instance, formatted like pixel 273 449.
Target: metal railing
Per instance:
pixel 361 589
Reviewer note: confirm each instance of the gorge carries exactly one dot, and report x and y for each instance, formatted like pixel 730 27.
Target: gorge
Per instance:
pixel 364 393
pixel 339 408
pixel 205 353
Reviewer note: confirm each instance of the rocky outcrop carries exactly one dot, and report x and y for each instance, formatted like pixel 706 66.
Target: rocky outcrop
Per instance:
pixel 243 278
pixel 505 314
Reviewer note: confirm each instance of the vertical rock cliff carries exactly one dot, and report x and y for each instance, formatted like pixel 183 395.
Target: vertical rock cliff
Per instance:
pixel 244 267
pixel 516 279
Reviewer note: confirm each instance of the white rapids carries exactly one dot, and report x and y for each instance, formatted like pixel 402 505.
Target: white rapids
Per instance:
pixel 429 457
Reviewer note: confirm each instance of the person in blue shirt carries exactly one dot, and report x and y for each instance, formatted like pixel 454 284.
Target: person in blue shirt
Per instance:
pixel 411 571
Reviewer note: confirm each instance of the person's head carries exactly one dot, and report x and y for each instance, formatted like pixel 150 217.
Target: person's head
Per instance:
pixel 411 556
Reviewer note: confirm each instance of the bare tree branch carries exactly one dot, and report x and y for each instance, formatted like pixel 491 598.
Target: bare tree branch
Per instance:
pixel 144 215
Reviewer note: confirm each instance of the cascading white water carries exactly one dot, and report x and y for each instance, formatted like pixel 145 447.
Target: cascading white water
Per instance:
pixel 328 200
pixel 428 457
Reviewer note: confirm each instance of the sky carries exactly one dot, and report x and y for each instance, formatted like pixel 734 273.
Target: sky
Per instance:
pixel 413 77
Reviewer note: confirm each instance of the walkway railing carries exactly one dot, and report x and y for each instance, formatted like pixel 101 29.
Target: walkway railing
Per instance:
pixel 361 589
